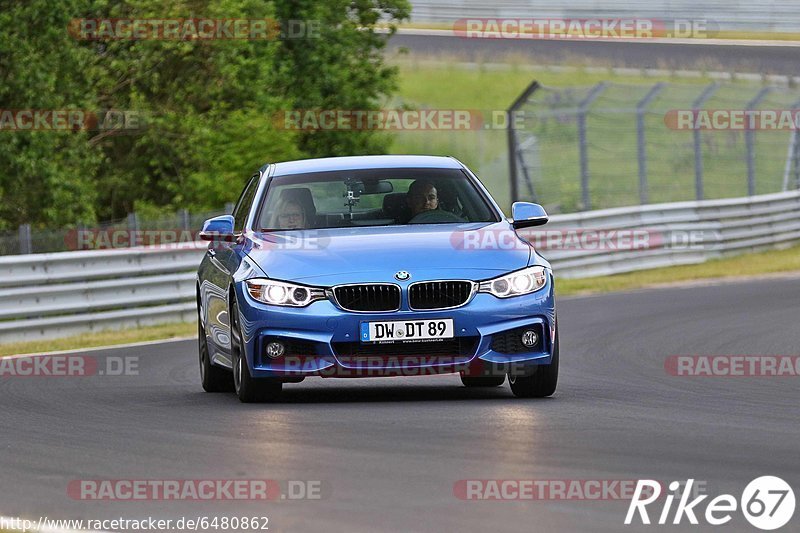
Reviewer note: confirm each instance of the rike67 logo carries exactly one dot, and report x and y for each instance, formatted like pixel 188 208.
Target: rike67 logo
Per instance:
pixel 767 502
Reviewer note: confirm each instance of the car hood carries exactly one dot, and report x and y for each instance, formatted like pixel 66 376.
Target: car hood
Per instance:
pixel 374 254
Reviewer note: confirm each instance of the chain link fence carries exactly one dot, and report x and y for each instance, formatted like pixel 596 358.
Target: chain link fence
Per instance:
pixel 612 145
pixel 129 231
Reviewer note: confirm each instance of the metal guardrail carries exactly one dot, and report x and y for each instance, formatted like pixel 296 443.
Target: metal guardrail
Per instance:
pixel 61 294
pixel 53 295
pixel 755 15
pixel 676 233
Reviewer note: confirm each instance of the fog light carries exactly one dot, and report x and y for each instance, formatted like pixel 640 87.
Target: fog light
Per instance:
pixel 530 338
pixel 275 349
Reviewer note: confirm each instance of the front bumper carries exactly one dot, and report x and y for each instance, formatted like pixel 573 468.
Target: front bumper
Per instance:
pixel 323 340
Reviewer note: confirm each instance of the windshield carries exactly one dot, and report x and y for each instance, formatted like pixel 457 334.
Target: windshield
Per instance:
pixel 375 197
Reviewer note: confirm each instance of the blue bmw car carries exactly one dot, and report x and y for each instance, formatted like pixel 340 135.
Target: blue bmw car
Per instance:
pixel 373 266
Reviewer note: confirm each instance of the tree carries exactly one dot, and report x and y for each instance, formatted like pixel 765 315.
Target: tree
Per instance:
pixel 341 68
pixel 208 106
pixel 46 177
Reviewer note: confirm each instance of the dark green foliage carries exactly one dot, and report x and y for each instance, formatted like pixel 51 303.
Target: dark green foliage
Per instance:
pixel 208 107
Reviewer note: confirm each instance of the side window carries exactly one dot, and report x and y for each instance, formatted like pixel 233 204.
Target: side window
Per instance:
pixel 243 205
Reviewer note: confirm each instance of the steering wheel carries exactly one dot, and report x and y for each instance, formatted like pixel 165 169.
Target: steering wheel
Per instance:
pixel 434 216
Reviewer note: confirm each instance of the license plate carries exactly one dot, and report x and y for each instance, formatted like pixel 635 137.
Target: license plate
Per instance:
pixel 407 330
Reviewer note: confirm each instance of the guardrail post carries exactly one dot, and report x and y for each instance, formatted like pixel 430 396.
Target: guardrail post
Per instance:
pixel 750 140
pixel 641 108
pixel 698 147
pixel 25 242
pixel 583 109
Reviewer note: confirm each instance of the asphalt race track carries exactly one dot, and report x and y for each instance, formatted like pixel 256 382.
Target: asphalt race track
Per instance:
pixel 765 59
pixel 389 450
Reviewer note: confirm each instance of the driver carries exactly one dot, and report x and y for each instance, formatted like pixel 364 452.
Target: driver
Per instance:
pixel 422 196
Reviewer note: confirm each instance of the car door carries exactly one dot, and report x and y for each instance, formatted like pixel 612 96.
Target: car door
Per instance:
pixel 224 259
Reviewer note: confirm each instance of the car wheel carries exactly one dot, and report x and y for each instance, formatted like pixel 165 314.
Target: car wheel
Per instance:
pixel 248 388
pixel 212 377
pixel 482 381
pixel 541 383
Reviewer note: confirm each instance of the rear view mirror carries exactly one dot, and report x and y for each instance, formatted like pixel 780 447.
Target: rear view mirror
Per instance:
pixel 377 187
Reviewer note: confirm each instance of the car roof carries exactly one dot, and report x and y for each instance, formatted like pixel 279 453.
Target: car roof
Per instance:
pixel 326 164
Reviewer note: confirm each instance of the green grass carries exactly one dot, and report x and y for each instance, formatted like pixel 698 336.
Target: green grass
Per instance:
pixel 742 266
pixel 444 83
pixel 102 338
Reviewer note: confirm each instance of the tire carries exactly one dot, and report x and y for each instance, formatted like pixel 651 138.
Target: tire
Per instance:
pixel 212 377
pixel 542 383
pixel 482 381
pixel 248 388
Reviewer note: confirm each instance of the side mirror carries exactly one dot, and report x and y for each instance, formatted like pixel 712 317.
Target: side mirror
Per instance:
pixel 526 215
pixel 217 229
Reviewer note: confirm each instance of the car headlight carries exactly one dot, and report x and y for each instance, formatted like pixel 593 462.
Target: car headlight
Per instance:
pixel 275 292
pixel 517 283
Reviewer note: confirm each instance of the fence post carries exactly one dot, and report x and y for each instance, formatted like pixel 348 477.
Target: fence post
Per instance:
pixel 184 216
pixel 133 222
pixel 698 147
pixel 512 136
pixel 797 160
pixel 641 108
pixel 750 140
pixel 512 162
pixel 525 173
pixel 25 243
pixel 793 157
pixel 583 109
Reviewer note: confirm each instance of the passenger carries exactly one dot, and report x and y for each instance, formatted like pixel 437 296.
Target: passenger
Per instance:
pixel 291 215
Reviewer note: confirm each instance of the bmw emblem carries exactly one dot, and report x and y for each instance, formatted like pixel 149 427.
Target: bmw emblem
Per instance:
pixel 402 275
